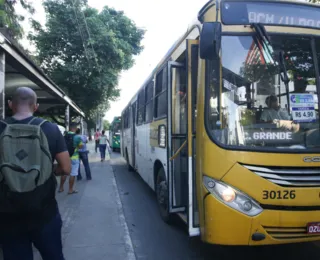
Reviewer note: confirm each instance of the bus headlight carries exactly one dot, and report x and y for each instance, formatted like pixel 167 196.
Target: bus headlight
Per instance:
pixel 232 197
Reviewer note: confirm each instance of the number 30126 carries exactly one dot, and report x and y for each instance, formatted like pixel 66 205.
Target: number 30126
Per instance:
pixel 279 195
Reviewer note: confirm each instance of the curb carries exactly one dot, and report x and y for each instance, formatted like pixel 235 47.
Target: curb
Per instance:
pixel 129 246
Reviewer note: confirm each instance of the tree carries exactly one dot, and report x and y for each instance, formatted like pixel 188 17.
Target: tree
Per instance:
pixel 298 61
pixel 106 125
pixel 84 51
pixel 10 19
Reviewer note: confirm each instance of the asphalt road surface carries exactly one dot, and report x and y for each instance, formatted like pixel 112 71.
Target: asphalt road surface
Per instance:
pixel 153 239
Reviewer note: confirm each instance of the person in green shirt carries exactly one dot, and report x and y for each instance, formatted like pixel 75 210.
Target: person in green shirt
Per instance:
pixel 75 161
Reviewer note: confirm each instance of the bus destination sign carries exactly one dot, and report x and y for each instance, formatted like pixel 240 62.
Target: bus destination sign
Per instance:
pixel 272 13
pixel 274 19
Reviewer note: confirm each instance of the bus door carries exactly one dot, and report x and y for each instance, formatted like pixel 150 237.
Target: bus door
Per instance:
pixel 133 135
pixel 192 60
pixel 181 141
pixel 177 141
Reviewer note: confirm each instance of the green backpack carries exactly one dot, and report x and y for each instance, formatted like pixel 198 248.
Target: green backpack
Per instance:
pixel 26 173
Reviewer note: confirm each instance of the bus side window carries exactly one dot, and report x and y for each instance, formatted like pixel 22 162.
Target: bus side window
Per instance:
pixel 141 108
pixel 161 93
pixel 149 102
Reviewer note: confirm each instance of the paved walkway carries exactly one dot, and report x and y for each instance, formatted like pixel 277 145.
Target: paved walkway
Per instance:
pixel 94 225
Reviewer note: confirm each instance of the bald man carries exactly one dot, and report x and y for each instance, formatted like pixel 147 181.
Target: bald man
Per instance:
pixel 17 233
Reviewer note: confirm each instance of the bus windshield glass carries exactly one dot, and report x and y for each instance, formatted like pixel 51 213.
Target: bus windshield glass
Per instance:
pixel 254 108
pixel 275 13
pixel 116 127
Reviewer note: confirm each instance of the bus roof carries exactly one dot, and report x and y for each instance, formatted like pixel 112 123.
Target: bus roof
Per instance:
pixel 116 118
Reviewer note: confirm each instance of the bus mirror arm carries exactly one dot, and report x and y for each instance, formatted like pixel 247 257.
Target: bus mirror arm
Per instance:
pixel 210 40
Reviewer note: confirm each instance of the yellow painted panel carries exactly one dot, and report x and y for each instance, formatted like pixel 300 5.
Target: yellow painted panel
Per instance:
pixel 224 225
pixel 290 224
pixel 154 131
pixel 254 185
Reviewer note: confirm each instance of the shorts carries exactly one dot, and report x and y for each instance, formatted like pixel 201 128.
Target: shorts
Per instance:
pixel 75 164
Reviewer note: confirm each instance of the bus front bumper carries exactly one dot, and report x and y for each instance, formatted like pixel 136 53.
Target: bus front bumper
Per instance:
pixel 226 226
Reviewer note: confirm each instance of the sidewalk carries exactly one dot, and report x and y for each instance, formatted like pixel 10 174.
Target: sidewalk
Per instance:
pixel 94 225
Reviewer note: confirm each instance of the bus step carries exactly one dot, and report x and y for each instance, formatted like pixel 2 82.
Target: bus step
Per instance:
pixel 184 217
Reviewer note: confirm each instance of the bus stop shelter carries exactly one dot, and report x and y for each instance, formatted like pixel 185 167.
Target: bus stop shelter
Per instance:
pixel 18 70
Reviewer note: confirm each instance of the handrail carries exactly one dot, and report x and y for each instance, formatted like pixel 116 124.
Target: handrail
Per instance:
pixel 179 150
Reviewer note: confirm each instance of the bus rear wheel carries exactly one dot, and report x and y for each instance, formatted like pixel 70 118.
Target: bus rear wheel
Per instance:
pixel 162 193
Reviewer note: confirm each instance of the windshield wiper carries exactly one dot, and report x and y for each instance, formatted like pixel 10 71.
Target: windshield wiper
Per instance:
pixel 283 70
pixel 263 38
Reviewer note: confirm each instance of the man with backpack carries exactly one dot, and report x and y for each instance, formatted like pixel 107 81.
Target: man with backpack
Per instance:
pixel 29 212
pixel 74 143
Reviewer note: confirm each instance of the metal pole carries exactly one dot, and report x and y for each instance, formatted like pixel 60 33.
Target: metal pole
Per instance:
pixel 67 117
pixel 81 125
pixel 2 85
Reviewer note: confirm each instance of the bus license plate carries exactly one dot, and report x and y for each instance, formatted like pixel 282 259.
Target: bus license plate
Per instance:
pixel 313 228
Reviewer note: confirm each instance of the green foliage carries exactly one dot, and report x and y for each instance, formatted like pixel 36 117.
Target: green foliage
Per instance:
pixel 298 62
pixel 84 51
pixel 10 19
pixel 106 125
pixel 247 117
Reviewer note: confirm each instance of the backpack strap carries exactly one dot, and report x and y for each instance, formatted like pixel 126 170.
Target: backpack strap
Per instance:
pixel 37 121
pixel 3 122
pixel 42 122
pixel 32 120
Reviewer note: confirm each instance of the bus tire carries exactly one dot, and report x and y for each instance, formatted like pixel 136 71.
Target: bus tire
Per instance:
pixel 162 194
pixel 130 168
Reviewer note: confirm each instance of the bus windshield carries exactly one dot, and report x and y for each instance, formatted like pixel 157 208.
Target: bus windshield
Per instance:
pixel 255 108
pixel 116 127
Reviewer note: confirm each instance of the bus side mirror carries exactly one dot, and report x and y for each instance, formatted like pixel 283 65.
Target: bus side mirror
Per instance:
pixel 210 40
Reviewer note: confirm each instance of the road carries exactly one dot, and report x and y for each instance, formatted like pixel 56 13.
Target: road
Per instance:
pixel 153 239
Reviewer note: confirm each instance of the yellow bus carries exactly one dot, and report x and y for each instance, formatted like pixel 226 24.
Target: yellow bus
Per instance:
pixel 226 128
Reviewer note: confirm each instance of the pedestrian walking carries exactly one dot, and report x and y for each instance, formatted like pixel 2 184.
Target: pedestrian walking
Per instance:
pixel 74 143
pixel 96 138
pixel 83 156
pixel 29 212
pixel 103 145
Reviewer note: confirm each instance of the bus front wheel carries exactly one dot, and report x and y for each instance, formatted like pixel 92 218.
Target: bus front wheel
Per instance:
pixel 163 196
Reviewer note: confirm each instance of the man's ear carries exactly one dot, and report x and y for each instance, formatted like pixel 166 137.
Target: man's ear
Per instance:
pixel 36 106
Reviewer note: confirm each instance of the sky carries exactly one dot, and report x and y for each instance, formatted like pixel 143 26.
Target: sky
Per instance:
pixel 164 21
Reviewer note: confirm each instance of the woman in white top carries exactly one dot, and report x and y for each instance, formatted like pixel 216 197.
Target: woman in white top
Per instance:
pixel 103 145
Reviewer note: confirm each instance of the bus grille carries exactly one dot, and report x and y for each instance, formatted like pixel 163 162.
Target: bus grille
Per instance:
pixel 288 232
pixel 289 177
